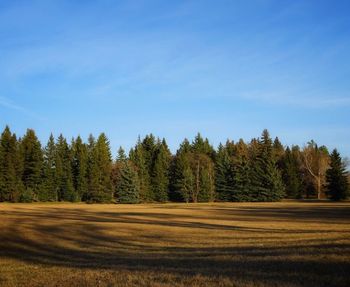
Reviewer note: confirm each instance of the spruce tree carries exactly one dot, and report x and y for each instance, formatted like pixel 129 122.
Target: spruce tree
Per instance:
pixel 9 182
pixel 65 188
pixel 138 157
pixel 291 174
pixel 32 162
pixel 223 175
pixel 127 183
pixel 80 167
pixel 267 182
pixel 182 180
pixel 49 186
pixel 100 188
pixel 336 178
pixel 161 170
pixel 242 170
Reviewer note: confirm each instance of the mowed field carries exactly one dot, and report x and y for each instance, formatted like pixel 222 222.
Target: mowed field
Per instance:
pixel 219 244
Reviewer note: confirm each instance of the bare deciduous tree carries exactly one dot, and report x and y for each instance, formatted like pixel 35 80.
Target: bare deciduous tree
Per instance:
pixel 316 162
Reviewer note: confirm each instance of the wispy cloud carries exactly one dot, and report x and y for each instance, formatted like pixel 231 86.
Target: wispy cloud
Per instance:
pixel 9 104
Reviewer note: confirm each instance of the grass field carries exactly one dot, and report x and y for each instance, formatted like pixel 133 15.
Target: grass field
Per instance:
pixel 229 244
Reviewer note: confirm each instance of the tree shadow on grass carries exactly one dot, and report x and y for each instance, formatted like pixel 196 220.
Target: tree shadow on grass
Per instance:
pixel 77 238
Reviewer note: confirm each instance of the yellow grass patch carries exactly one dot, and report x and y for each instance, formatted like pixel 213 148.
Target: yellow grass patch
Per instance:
pixel 220 244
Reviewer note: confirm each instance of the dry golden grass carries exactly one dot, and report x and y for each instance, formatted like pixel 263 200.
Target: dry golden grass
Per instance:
pixel 221 244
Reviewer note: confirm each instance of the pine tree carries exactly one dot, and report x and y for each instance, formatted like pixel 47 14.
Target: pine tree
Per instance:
pixel 9 182
pixel 200 145
pixel 182 179
pixel 161 170
pixel 127 183
pixel 336 178
pixel 223 175
pixel 65 188
pixel 138 157
pixel 267 182
pixel 80 168
pixel 32 162
pixel 242 169
pixel 100 188
pixel 291 173
pixel 49 186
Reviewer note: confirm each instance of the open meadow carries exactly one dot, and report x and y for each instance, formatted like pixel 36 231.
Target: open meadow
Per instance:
pixel 219 244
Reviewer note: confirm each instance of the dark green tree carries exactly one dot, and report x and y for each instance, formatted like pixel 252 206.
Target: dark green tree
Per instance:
pixel 336 178
pixel 267 184
pixel 32 163
pixel 100 188
pixel 10 185
pixel 224 184
pixel 80 167
pixel 140 158
pixel 292 173
pixel 127 183
pixel 161 171
pixel 64 177
pixel 49 186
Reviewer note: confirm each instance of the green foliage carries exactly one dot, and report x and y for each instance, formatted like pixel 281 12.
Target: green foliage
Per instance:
pixel 63 160
pixel 49 185
pixel 292 173
pixel 224 184
pixel 267 184
pixel 193 173
pixel 32 162
pixel 160 172
pixel 127 183
pixel 337 182
pixel 261 170
pixel 80 168
pixel 100 188
pixel 10 173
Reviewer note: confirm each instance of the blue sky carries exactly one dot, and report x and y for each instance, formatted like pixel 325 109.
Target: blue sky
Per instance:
pixel 227 69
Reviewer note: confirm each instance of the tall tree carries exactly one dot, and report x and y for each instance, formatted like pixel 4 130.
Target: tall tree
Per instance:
pixel 161 171
pixel 316 161
pixel 80 167
pixel 127 183
pixel 32 162
pixel 224 184
pixel 9 182
pixel 242 172
pixel 267 181
pixel 292 173
pixel 337 183
pixel 100 188
pixel 64 176
pixel 140 158
pixel 49 187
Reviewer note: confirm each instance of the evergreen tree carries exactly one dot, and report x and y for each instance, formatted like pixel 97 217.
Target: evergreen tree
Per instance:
pixel 182 180
pixel 80 168
pixel 336 178
pixel 65 188
pixel 224 184
pixel 267 182
pixel 200 145
pixel 291 173
pixel 161 170
pixel 9 182
pixel 140 160
pixel 49 186
pixel 32 162
pixel 100 187
pixel 242 173
pixel 127 183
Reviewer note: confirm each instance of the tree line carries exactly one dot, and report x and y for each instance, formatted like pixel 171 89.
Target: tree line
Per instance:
pixel 259 170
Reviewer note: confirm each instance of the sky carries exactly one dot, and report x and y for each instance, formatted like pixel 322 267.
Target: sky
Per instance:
pixel 226 69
